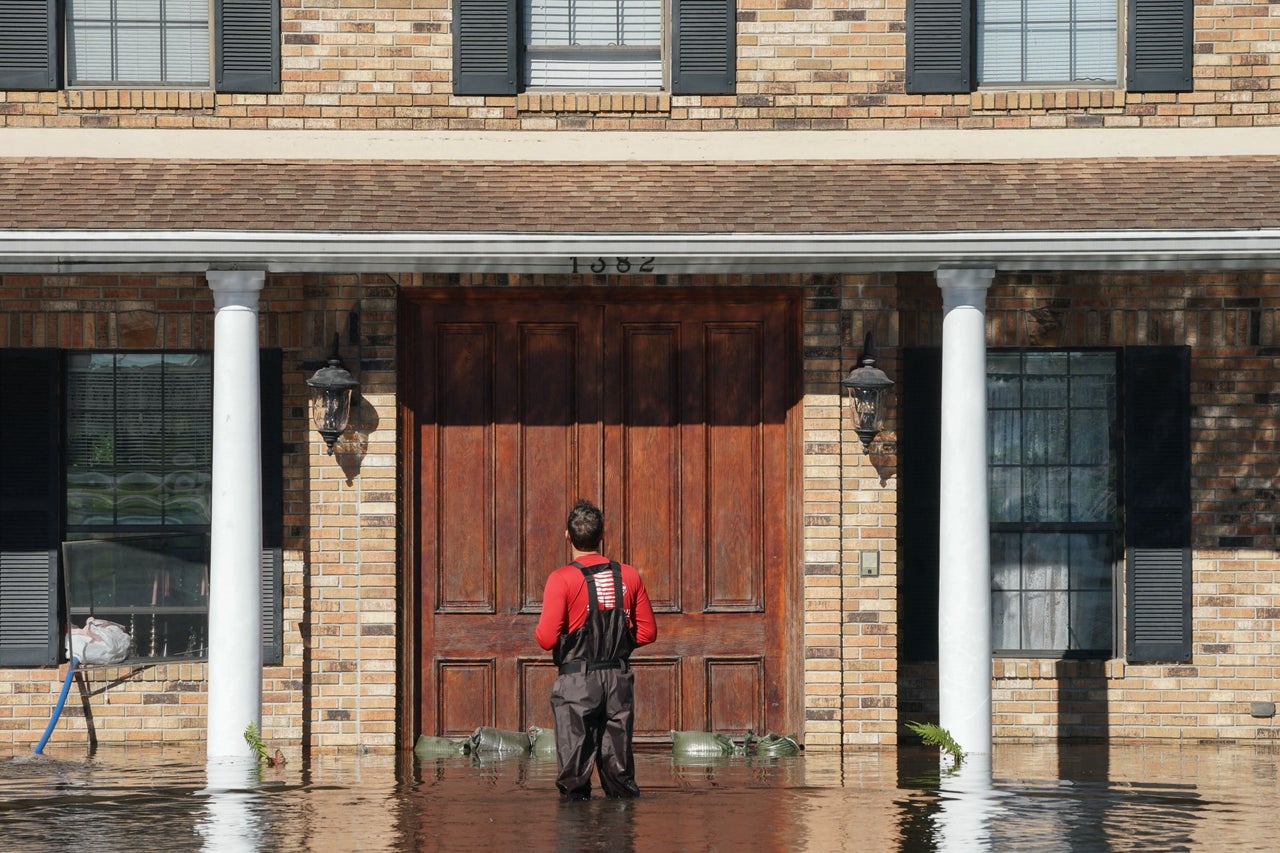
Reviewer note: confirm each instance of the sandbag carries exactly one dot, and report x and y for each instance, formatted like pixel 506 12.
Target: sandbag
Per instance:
pixel 777 746
pixel 700 744
pixel 440 747
pixel 99 642
pixel 543 741
pixel 487 739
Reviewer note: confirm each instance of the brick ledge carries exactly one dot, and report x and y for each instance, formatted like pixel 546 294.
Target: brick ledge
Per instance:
pixel 560 102
pixel 137 99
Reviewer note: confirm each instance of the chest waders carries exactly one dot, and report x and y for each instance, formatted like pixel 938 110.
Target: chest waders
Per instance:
pixel 592 697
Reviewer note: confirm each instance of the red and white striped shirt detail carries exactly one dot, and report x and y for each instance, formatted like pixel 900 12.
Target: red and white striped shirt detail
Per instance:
pixel 604 589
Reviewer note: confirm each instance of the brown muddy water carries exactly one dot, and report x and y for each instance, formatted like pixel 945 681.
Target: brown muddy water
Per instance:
pixel 1155 797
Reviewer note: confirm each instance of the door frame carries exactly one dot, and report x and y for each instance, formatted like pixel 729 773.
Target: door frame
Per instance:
pixel 788 585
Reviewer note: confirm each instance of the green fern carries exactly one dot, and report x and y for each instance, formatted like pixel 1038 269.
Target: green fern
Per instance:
pixel 935 735
pixel 254 738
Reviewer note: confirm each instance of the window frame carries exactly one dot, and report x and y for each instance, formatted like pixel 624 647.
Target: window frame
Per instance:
pixel 112 26
pixel 1117 80
pixel 527 51
pixel 1114 528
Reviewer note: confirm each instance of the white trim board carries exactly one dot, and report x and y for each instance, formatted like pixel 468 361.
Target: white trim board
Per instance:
pixel 673 254
pixel 599 146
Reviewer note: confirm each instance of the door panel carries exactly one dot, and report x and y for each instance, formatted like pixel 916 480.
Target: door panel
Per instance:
pixel 672 417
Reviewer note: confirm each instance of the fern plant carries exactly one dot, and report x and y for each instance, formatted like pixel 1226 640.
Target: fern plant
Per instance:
pixel 254 738
pixel 935 735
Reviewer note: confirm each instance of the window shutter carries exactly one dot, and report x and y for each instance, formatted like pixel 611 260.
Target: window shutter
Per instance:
pixel 270 380
pixel 919 467
pixel 29 45
pixel 1160 35
pixel 704 48
pixel 940 46
pixel 30 505
pixel 247 34
pixel 1157 491
pixel 484 47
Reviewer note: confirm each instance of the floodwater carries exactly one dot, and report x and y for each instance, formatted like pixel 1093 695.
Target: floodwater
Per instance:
pixel 1156 797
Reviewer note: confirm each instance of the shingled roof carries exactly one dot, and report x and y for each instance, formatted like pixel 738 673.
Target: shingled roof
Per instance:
pixel 771 198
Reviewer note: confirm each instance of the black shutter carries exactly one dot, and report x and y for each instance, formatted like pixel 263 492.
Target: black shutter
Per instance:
pixel 485 47
pixel 29 44
pixel 704 48
pixel 247 46
pixel 919 469
pixel 940 46
pixel 30 505
pixel 1160 36
pixel 1157 495
pixel 270 363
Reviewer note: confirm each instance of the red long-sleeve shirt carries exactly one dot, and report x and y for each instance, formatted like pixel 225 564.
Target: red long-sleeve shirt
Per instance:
pixel 566 598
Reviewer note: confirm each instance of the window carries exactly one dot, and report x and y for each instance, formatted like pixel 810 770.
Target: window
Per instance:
pixel 138 42
pixel 1047 41
pixel 955 45
pixel 688 46
pixel 584 44
pixel 233 45
pixel 138 464
pixel 1089 471
pixel 110 467
pixel 1054 513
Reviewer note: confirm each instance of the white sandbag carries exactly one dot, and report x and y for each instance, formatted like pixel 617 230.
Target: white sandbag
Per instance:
pixel 99 642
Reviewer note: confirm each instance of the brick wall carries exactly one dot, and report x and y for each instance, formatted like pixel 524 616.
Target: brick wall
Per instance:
pixel 802 64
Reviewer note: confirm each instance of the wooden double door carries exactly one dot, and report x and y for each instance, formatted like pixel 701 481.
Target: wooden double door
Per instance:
pixel 672 415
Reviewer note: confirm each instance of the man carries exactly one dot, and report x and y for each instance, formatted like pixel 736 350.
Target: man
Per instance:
pixel 594 612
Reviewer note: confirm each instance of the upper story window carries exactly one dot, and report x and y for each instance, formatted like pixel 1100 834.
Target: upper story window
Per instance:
pixel 688 47
pixel 955 46
pixel 1047 41
pixel 228 45
pixel 585 44
pixel 138 42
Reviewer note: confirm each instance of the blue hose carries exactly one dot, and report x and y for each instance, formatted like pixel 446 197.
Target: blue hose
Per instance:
pixel 57 710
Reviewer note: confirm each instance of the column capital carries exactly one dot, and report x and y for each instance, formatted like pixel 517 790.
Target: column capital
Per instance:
pixel 236 288
pixel 964 286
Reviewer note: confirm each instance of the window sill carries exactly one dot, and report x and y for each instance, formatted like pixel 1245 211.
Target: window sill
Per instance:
pixel 137 99
pixel 1048 99
pixel 561 102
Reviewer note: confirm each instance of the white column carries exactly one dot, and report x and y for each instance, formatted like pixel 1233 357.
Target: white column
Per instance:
pixel 964 572
pixel 235 567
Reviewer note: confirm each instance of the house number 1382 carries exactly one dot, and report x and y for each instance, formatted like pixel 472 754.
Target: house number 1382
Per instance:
pixel 612 265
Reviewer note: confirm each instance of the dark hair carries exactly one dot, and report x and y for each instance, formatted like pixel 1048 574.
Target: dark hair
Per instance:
pixel 585 525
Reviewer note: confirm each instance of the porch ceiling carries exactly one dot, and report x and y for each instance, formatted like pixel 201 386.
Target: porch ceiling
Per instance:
pixel 68 214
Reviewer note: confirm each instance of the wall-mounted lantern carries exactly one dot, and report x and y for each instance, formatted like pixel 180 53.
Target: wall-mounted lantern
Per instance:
pixel 331 390
pixel 868 387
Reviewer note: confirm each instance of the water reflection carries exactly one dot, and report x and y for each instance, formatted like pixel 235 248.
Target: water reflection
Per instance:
pixel 1028 798
pixel 231 823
